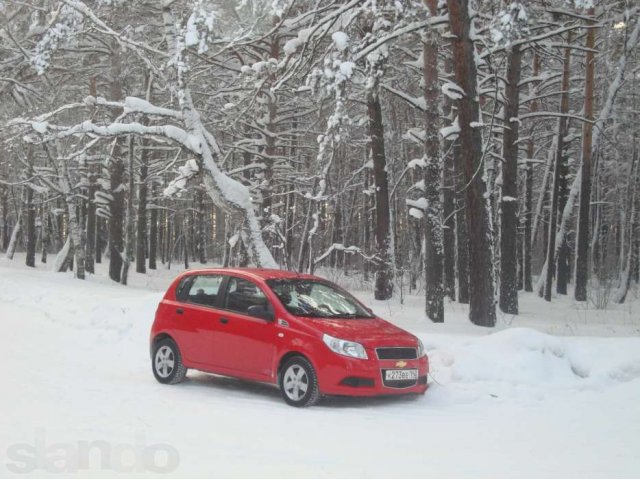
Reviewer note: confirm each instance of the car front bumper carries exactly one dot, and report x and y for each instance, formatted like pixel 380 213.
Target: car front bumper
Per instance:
pixel 358 377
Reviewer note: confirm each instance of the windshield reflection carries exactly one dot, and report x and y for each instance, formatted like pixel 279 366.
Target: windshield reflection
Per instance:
pixel 313 298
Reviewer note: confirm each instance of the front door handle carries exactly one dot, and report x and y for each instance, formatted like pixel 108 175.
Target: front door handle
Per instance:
pixel 224 320
pixel 180 311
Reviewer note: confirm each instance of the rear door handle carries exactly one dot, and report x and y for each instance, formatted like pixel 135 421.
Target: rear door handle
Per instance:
pixel 224 320
pixel 180 311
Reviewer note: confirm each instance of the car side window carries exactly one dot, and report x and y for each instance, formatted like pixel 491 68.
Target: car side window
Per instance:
pixel 204 290
pixel 242 294
pixel 183 288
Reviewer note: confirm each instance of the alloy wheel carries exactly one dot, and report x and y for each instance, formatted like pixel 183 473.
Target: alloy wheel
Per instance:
pixel 296 382
pixel 164 361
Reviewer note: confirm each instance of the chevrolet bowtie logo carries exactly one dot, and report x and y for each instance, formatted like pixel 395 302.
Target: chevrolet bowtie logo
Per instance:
pixel 401 364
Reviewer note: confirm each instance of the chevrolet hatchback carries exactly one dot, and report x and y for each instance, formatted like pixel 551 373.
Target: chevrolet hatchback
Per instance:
pixel 300 332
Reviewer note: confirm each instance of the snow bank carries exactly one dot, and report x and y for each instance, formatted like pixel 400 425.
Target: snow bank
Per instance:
pixel 522 361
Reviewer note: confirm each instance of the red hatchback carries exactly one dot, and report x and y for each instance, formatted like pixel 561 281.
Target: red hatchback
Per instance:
pixel 300 332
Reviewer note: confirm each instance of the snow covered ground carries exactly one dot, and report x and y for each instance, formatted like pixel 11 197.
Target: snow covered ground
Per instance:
pixel 552 392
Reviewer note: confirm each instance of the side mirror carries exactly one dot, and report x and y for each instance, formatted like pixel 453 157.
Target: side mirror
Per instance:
pixel 260 311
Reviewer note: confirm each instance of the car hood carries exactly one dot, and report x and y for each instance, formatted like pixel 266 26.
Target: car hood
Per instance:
pixel 370 332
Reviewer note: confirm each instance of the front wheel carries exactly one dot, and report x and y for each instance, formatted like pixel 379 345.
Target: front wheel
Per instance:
pixel 167 362
pixel 299 383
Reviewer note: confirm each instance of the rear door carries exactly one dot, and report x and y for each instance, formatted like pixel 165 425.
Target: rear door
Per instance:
pixel 198 316
pixel 244 344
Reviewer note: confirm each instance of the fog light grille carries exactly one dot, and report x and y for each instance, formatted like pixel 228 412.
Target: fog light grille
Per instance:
pixel 357 382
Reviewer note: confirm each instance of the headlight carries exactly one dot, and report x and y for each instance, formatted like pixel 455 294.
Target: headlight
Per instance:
pixel 344 347
pixel 421 352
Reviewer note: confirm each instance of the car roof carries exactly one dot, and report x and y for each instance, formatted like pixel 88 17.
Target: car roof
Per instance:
pixel 261 273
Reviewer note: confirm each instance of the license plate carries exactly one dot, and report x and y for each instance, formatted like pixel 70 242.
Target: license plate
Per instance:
pixel 410 374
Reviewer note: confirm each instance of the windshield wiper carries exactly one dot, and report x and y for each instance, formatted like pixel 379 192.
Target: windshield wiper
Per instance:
pixel 308 314
pixel 350 315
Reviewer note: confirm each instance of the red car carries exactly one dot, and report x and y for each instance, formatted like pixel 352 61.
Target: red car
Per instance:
pixel 300 332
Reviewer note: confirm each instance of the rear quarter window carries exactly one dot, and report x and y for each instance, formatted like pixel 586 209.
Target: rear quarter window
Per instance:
pixel 183 288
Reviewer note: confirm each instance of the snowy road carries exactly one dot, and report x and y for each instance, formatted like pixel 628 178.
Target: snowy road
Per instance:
pixel 514 403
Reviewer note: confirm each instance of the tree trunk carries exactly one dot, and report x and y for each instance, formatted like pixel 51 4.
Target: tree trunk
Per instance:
pixel 384 270
pixel 116 220
pixel 226 254
pixel 582 250
pixel 116 176
pixel 163 235
pixel 563 268
pixel 31 228
pixel 30 212
pixel 434 292
pixel 561 133
pixel 77 238
pixel 99 240
pixel 186 240
pixel 635 267
pixel 44 233
pixel 527 243
pixel 76 235
pixel 481 288
pixel 4 238
pixel 141 220
pixel 449 199
pixel 129 226
pixel 153 238
pixel 625 275
pixel 64 257
pixel 290 219
pixel 462 237
pixel 143 192
pixel 366 227
pixel 91 250
pixel 449 230
pixel 563 252
pixel 509 204
pixel 417 265
pixel 13 240
pixel 202 230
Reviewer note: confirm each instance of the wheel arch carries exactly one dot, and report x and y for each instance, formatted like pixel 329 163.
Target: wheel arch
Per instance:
pixel 158 338
pixel 288 355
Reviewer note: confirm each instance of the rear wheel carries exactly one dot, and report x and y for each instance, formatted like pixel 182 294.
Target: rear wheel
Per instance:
pixel 299 383
pixel 167 362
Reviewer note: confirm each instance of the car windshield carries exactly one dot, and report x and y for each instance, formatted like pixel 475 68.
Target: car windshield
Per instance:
pixel 313 298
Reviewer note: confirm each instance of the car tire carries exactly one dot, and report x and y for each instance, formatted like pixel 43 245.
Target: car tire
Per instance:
pixel 166 362
pixel 299 382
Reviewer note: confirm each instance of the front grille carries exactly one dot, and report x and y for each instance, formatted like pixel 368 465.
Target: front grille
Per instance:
pixel 396 353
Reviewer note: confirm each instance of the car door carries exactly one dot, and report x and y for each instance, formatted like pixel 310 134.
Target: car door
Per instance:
pixel 198 318
pixel 244 344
